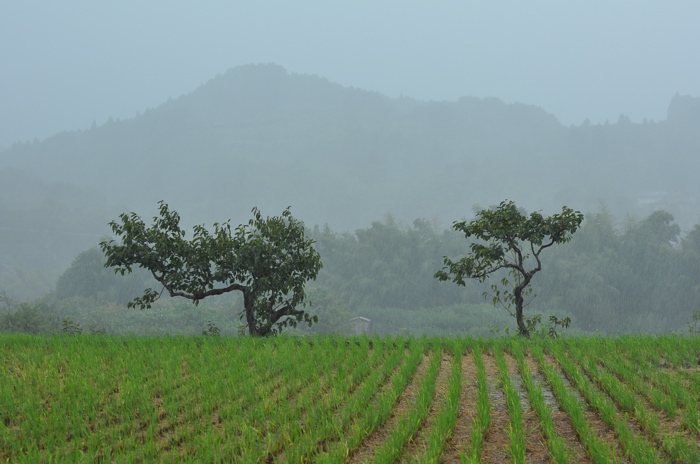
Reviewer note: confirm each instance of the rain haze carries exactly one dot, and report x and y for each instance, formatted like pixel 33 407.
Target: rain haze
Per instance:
pixel 377 187
pixel 379 125
pixel 68 64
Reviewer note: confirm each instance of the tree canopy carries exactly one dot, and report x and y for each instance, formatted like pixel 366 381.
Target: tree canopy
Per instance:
pixel 510 240
pixel 268 260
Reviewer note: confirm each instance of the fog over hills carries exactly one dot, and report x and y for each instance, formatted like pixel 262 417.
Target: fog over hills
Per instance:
pixel 260 136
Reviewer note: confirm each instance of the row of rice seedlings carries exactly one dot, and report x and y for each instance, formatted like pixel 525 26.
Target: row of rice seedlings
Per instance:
pixel 515 411
pixel 412 420
pixel 264 425
pixel 186 376
pixel 661 390
pixel 677 447
pixel 272 421
pixel 320 400
pixel 131 396
pixel 669 382
pixel 53 399
pixel 221 411
pixel 327 426
pixel 375 414
pixel 36 386
pixel 482 421
pixel 447 415
pixel 557 447
pixel 679 352
pixel 217 383
pixel 599 451
pixel 636 446
pixel 679 393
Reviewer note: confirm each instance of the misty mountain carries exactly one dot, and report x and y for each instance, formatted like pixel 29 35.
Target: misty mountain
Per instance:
pixel 260 136
pixel 43 225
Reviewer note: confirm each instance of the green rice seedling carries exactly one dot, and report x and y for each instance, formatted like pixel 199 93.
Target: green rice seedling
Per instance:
pixel 637 377
pixel 181 399
pixel 598 451
pixel 372 417
pixel 635 446
pixel 517 428
pixel 411 421
pixel 351 395
pixel 276 417
pixel 676 446
pixel 306 421
pixel 557 447
pixel 483 411
pixel 447 416
pixel 672 391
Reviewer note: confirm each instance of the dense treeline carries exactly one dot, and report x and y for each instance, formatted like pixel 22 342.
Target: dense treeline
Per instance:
pixel 640 276
pixel 636 276
pixel 260 136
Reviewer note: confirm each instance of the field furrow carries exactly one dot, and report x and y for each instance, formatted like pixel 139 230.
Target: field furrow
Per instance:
pixel 561 421
pixel 628 430
pixel 597 437
pixel 534 437
pixel 334 399
pixel 459 442
pixel 496 447
pixel 372 444
pixel 654 424
pixel 415 450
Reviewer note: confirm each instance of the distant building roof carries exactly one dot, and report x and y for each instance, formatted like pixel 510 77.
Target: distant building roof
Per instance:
pixel 359 318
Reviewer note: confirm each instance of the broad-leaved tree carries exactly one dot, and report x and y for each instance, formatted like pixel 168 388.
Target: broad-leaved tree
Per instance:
pixel 268 260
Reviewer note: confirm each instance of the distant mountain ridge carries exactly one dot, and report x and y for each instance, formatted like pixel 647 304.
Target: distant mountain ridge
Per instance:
pixel 255 115
pixel 260 136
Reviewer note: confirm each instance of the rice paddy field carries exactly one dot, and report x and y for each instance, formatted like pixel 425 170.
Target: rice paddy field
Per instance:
pixel 332 400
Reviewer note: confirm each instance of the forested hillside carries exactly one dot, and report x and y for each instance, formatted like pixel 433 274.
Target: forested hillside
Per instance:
pixel 259 136
pixel 637 277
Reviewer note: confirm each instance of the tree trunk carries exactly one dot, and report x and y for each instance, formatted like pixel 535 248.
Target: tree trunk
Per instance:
pixel 520 302
pixel 522 328
pixel 249 304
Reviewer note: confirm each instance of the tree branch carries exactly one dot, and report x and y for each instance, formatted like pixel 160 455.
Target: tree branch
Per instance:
pixel 287 310
pixel 197 296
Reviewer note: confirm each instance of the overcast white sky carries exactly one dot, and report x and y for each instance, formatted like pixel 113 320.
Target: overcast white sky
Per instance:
pixel 65 64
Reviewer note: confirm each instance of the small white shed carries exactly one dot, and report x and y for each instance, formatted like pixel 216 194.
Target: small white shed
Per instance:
pixel 361 325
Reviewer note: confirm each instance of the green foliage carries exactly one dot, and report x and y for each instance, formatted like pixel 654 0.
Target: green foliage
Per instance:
pixel 536 328
pixel 637 277
pixel 27 318
pixel 70 327
pixel 269 260
pixel 212 330
pixel 88 277
pixel 694 326
pixel 333 315
pixel 509 240
pixel 611 278
pixel 470 320
pixel 388 264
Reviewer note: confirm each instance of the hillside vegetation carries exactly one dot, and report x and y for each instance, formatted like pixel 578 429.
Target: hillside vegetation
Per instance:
pixel 259 136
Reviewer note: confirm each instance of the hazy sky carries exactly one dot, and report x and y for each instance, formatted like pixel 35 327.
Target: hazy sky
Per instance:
pixel 65 64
